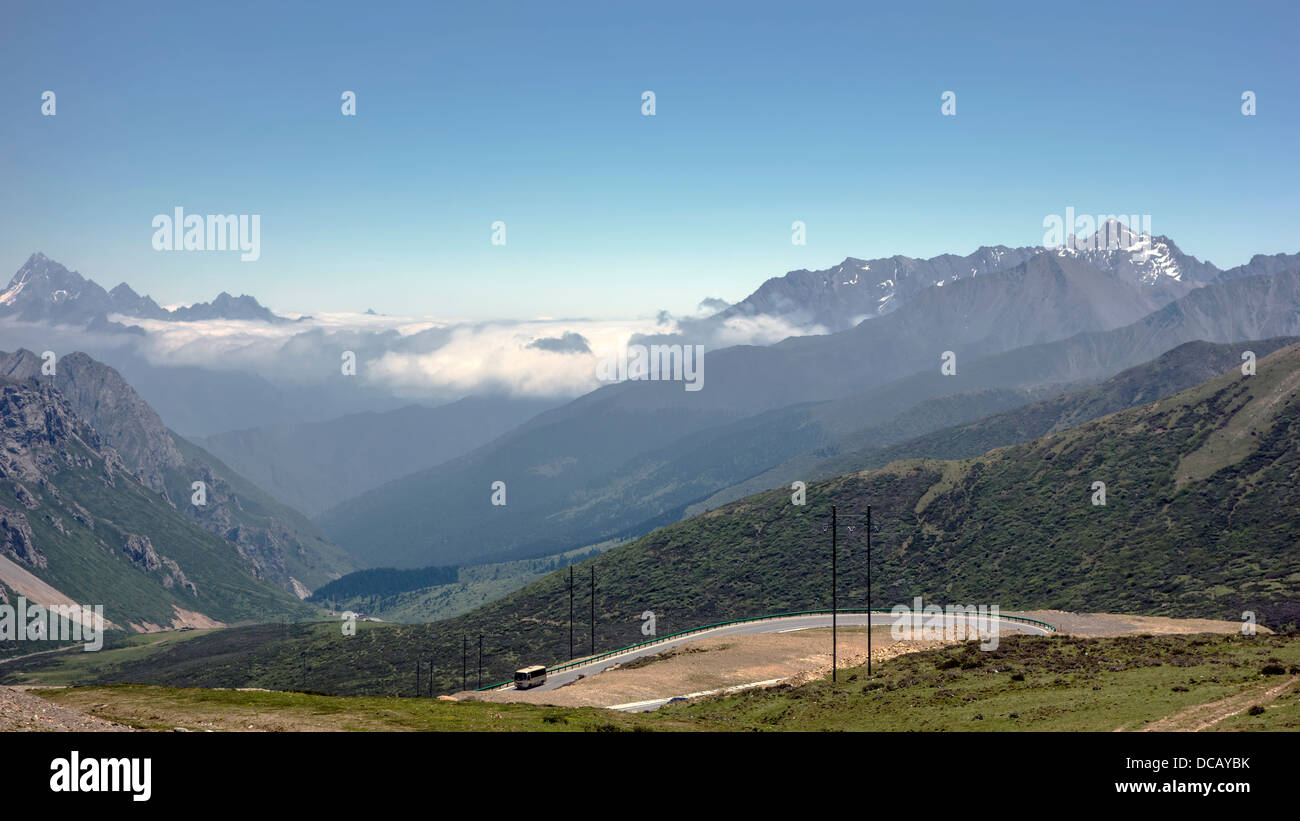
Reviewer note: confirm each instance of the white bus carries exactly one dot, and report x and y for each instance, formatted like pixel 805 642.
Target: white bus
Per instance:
pixel 534 676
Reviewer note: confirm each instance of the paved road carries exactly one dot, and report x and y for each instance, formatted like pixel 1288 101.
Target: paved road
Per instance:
pixel 554 680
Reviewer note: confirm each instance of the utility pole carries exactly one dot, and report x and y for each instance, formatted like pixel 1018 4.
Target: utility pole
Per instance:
pixel 464 665
pixel 868 589
pixel 480 659
pixel 570 611
pixel 834 605
pixel 593 609
pixel 417 677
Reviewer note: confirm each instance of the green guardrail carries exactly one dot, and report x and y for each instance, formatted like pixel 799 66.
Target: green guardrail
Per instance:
pixel 583 662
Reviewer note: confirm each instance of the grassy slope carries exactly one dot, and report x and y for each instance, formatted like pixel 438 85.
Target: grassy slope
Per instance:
pixel 309 557
pixel 1028 683
pixel 1179 369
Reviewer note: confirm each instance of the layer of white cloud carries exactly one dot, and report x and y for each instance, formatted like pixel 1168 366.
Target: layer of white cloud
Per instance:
pixel 406 356
pixel 419 358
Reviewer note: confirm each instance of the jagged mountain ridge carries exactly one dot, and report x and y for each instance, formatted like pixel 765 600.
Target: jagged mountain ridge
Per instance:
pixel 837 298
pixel 43 289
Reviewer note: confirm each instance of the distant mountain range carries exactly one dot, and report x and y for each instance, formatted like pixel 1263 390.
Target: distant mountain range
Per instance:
pixel 840 297
pixel 42 289
pixel 837 298
pixel 635 455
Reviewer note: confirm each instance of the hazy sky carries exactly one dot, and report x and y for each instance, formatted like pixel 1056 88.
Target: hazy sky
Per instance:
pixel 531 114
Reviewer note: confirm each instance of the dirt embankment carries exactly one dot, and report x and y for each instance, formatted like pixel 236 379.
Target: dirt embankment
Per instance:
pixel 1119 624
pixel 718 663
pixel 21 711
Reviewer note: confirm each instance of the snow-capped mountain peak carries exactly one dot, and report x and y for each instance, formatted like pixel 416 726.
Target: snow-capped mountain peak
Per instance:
pixel 1139 258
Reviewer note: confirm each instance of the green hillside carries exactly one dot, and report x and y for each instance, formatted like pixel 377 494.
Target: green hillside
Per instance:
pixel 876 446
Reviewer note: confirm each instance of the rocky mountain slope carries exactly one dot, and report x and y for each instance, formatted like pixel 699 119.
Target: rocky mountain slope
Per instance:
pixel 78 526
pixel 277 542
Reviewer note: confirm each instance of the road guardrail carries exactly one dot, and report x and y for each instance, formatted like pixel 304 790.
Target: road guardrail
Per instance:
pixel 583 662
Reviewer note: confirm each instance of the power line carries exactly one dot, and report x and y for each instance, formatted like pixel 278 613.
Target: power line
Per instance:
pixel 868 589
pixel 834 604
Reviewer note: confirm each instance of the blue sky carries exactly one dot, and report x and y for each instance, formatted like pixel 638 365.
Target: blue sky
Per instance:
pixel 531 114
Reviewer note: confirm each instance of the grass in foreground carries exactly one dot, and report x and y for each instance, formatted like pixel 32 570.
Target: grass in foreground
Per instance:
pixel 166 708
pixel 1032 683
pixel 1028 683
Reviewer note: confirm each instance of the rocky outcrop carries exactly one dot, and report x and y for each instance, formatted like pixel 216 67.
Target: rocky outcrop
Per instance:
pixel 17 540
pixel 174 576
pixel 82 515
pixel 25 497
pixel 141 552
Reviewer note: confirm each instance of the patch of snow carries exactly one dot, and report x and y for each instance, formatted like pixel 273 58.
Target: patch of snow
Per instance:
pixel 8 297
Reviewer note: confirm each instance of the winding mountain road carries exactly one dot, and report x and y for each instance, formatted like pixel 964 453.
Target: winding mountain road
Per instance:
pixel 777 624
